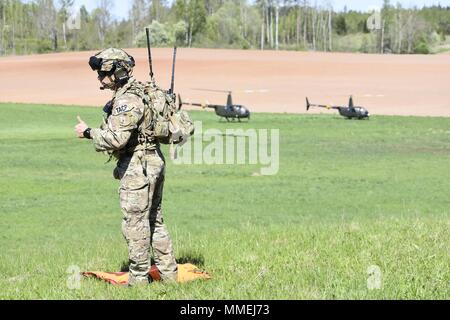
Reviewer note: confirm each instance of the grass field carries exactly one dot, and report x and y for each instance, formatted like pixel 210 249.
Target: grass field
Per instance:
pixel 349 195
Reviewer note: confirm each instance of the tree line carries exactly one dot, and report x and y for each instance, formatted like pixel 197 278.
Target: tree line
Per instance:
pixel 41 26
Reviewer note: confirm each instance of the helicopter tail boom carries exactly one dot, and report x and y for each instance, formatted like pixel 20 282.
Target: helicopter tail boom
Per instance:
pixel 309 105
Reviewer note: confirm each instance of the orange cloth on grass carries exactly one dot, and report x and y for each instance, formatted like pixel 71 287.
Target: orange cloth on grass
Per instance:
pixel 186 272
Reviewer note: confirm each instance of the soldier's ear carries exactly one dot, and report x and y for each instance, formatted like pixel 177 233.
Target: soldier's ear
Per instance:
pixel 121 75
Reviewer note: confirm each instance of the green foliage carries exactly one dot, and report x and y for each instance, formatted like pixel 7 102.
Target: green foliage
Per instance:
pixel 341 25
pixel 422 48
pixel 193 13
pixel 367 43
pixel 310 232
pixel 44 45
pixel 360 42
pixel 438 17
pixel 179 30
pixel 355 22
pixel 159 36
pixel 223 26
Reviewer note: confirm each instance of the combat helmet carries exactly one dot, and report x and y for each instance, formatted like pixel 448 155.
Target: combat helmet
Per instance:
pixel 114 63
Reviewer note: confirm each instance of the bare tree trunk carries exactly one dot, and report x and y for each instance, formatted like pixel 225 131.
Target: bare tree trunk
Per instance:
pixel 267 25
pixel 313 23
pixel 324 33
pixel 382 37
pixel 2 39
pixel 13 30
pixel 305 29
pixel 330 31
pixel 297 31
pixel 410 32
pixel 400 34
pixel 245 22
pixel 76 40
pixel 55 40
pixel 190 36
pixel 13 38
pixel 271 28
pixel 64 35
pixel 241 14
pixel 262 36
pixel 276 25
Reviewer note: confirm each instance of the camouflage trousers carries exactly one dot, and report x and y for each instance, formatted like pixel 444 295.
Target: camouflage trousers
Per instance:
pixel 141 190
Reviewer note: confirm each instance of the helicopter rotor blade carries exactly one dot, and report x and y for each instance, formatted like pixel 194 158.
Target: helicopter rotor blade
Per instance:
pixel 192 104
pixel 251 91
pixel 212 90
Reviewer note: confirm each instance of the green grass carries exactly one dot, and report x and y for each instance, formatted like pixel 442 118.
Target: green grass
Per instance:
pixel 349 195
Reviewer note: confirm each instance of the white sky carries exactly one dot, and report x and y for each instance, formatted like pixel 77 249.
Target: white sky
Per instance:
pixel 122 7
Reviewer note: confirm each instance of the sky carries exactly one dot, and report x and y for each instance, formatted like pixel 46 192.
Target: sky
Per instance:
pixel 122 7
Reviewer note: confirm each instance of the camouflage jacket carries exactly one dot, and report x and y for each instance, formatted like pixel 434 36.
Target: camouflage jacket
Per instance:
pixel 119 133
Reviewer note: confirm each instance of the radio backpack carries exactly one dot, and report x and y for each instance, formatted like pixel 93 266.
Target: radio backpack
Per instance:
pixel 168 124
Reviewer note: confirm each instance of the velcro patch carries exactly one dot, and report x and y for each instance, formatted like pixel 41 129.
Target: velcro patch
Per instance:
pixel 122 109
pixel 125 121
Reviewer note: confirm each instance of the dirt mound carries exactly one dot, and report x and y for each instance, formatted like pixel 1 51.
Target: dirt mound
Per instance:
pixel 265 81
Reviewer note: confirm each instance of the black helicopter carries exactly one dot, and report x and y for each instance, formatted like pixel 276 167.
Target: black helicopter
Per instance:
pixel 229 111
pixel 350 112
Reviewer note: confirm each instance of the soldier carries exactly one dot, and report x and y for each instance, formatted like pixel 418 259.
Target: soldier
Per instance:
pixel 140 167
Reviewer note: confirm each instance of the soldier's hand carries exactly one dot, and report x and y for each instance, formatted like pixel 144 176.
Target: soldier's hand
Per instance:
pixel 80 128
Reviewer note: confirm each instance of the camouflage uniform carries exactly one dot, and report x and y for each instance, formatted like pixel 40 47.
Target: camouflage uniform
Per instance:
pixel 140 169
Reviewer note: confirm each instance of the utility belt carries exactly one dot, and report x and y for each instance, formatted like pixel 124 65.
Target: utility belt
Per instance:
pixel 145 152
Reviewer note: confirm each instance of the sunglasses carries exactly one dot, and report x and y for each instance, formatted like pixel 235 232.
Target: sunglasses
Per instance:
pixel 103 74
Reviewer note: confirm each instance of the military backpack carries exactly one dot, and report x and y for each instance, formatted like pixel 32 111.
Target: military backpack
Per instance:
pixel 164 120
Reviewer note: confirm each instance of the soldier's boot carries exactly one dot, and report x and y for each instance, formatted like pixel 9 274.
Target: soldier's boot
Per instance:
pixel 139 263
pixel 133 281
pixel 139 259
pixel 163 253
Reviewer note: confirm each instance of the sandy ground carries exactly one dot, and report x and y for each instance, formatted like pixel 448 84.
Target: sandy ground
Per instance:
pixel 263 81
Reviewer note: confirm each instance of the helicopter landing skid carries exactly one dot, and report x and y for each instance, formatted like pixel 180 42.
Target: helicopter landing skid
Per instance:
pixel 233 120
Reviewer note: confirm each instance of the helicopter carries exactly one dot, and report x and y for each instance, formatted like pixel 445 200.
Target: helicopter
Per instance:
pixel 228 111
pixel 349 112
